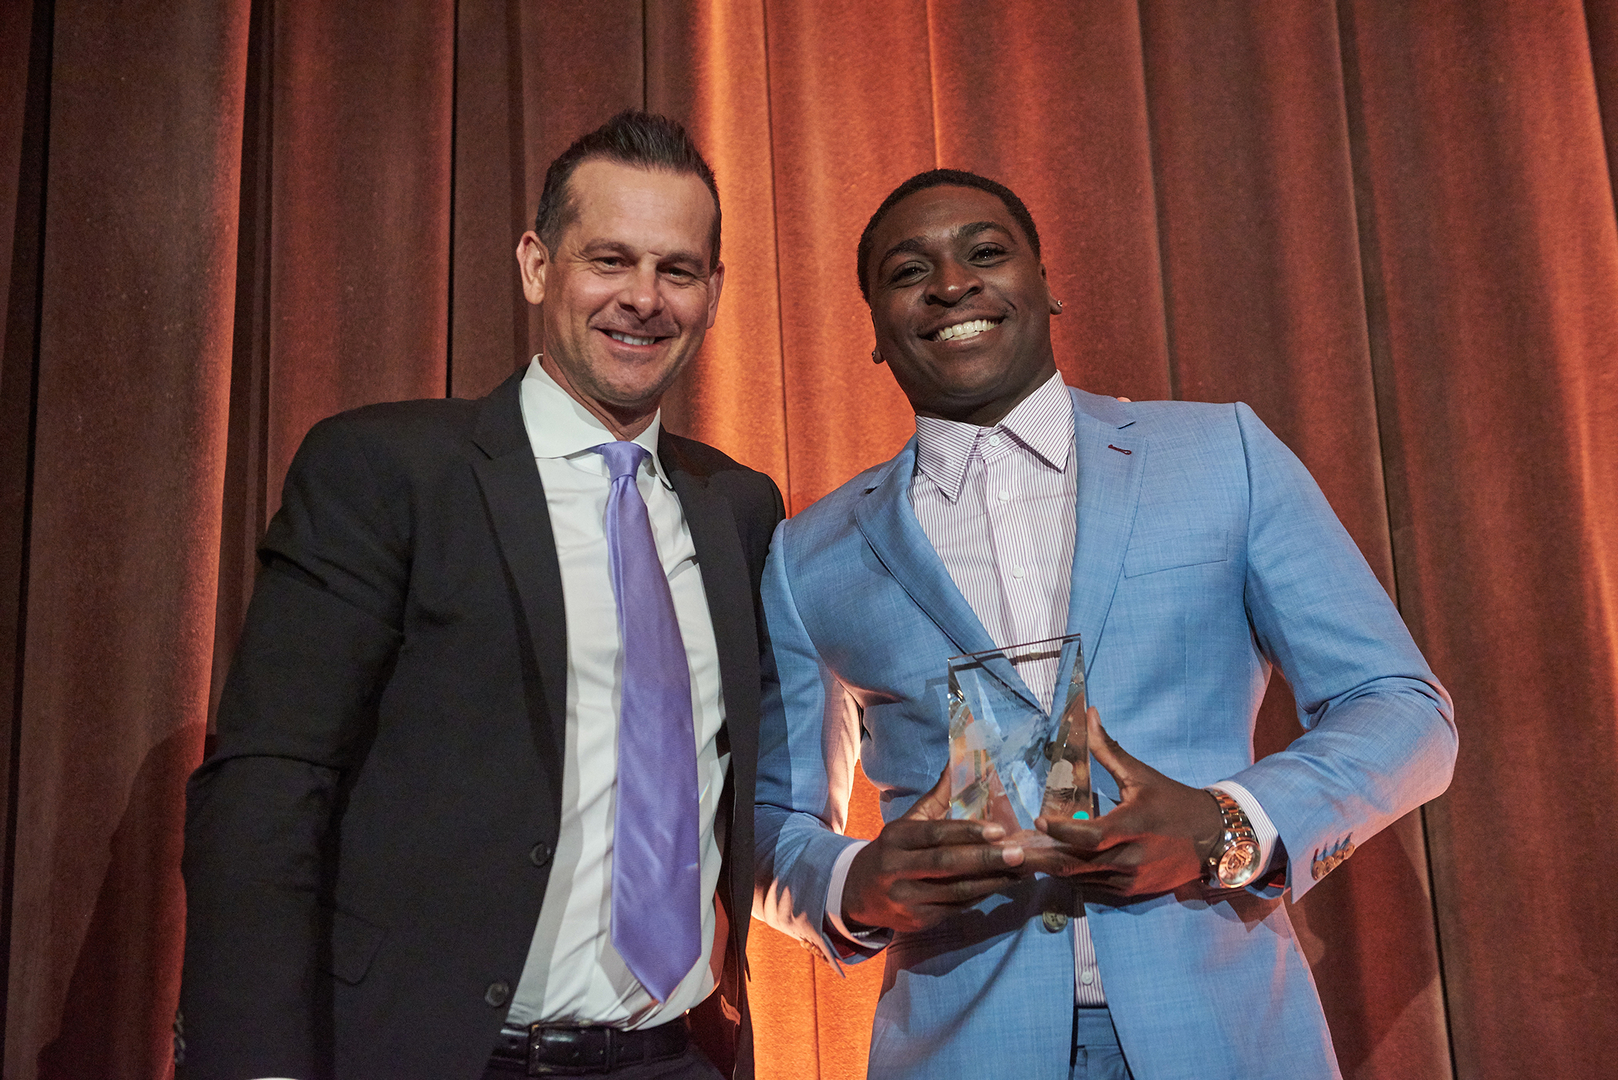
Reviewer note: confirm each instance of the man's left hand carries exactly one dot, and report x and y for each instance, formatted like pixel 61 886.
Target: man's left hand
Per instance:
pixel 1153 841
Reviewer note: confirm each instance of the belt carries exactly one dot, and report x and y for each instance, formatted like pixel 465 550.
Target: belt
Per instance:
pixel 563 1050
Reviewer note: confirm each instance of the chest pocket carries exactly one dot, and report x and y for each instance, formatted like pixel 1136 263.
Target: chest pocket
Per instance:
pixel 1171 551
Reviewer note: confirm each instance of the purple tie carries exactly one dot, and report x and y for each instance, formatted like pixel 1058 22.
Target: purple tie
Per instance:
pixel 656 866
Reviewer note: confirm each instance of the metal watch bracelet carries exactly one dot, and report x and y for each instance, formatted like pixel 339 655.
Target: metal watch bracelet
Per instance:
pixel 1233 862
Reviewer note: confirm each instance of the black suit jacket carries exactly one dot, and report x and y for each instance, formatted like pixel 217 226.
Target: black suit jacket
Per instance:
pixel 367 847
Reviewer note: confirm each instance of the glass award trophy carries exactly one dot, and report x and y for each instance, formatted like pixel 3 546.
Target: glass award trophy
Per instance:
pixel 1009 762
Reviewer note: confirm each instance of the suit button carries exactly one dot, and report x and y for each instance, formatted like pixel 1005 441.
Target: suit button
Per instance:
pixel 1054 920
pixel 540 854
pixel 498 993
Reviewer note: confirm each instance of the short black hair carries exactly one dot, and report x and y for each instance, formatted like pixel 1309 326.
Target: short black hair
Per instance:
pixel 641 139
pixel 944 178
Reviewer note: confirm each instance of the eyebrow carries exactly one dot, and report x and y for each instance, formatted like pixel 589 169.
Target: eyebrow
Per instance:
pixel 915 245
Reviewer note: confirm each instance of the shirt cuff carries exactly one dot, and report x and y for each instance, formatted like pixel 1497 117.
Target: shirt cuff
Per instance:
pixel 863 940
pixel 1263 829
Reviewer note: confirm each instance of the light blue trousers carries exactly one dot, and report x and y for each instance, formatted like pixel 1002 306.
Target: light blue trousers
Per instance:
pixel 1096 1053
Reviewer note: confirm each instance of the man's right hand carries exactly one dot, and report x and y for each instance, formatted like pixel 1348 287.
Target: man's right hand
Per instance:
pixel 923 867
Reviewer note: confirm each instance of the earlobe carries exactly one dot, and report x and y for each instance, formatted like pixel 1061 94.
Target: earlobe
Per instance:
pixel 1051 301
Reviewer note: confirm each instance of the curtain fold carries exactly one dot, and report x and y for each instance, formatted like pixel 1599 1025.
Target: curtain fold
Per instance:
pixel 1491 210
pixel 1390 229
pixel 134 302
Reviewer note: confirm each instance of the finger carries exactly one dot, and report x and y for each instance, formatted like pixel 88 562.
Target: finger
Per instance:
pixel 955 860
pixel 915 835
pixel 934 804
pixel 1119 764
pixel 1087 865
pixel 1080 835
pixel 952 893
pixel 1057 861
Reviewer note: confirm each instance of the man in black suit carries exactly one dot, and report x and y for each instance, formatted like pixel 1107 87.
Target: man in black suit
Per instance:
pixel 400 858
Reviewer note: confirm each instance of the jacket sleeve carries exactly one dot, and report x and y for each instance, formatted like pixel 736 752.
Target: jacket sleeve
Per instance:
pixel 298 707
pixel 1379 736
pixel 808 744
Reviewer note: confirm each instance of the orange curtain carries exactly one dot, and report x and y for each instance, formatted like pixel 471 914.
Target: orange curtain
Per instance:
pixel 1389 227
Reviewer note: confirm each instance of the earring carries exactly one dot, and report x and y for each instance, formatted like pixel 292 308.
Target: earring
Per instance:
pixel 1059 305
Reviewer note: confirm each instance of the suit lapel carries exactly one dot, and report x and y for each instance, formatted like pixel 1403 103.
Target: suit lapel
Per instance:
pixel 515 498
pixel 888 522
pixel 1111 464
pixel 727 586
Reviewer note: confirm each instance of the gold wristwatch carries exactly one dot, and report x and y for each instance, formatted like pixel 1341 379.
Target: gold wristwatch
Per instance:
pixel 1233 862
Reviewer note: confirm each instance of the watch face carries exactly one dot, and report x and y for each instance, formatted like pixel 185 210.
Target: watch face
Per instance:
pixel 1238 864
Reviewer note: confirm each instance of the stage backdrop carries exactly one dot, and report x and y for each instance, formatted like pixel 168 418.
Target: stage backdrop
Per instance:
pixel 1387 226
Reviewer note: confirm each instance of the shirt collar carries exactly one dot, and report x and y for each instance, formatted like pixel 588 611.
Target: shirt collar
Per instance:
pixel 1042 422
pixel 559 427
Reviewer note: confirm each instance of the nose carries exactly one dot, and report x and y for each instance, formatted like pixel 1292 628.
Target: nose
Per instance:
pixel 642 292
pixel 953 282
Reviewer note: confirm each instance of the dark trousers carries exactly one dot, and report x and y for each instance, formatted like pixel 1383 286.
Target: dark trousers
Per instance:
pixel 691 1065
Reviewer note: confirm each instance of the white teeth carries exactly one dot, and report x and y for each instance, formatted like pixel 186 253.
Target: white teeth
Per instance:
pixel 964 330
pixel 629 339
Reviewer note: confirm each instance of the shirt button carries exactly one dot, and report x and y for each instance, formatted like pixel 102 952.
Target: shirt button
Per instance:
pixel 1017 572
pixel 498 993
pixel 540 854
pixel 994 440
pixel 1005 496
pixel 1087 976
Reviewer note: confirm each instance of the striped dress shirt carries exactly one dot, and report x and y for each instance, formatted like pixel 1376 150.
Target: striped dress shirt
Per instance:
pixel 998 504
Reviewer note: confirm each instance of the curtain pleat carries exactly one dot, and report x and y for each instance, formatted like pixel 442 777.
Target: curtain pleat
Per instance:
pixel 1496 263
pixel 360 117
pixel 135 301
pixel 1389 228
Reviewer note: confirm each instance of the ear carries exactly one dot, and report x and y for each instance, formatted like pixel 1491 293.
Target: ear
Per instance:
pixel 533 260
pixel 1051 301
pixel 716 285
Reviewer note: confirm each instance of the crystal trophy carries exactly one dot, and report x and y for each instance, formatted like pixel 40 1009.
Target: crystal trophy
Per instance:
pixel 1008 761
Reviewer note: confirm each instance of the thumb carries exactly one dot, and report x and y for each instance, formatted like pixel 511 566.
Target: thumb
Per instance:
pixel 933 805
pixel 1112 757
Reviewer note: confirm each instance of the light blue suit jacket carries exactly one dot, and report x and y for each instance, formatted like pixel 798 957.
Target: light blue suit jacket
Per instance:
pixel 1205 552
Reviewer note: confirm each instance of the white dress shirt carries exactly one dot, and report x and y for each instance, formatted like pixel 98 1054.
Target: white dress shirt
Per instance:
pixel 573 975
pixel 999 506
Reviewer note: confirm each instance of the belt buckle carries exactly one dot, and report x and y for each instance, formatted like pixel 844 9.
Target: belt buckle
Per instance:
pixel 588 1042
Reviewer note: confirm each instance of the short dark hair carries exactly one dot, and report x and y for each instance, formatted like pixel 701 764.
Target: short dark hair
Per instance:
pixel 944 178
pixel 641 139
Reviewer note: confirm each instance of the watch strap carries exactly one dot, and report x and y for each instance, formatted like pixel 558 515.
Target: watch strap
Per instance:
pixel 1233 861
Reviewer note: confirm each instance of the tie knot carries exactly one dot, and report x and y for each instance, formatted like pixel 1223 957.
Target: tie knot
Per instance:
pixel 623 458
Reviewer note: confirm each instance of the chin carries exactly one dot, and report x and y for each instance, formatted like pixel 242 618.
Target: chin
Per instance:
pixel 636 392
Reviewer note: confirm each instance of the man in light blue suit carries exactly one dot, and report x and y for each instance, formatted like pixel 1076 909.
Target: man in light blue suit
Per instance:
pixel 1191 550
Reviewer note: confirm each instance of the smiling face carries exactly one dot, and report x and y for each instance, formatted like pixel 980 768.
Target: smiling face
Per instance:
pixel 628 294
pixel 960 305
